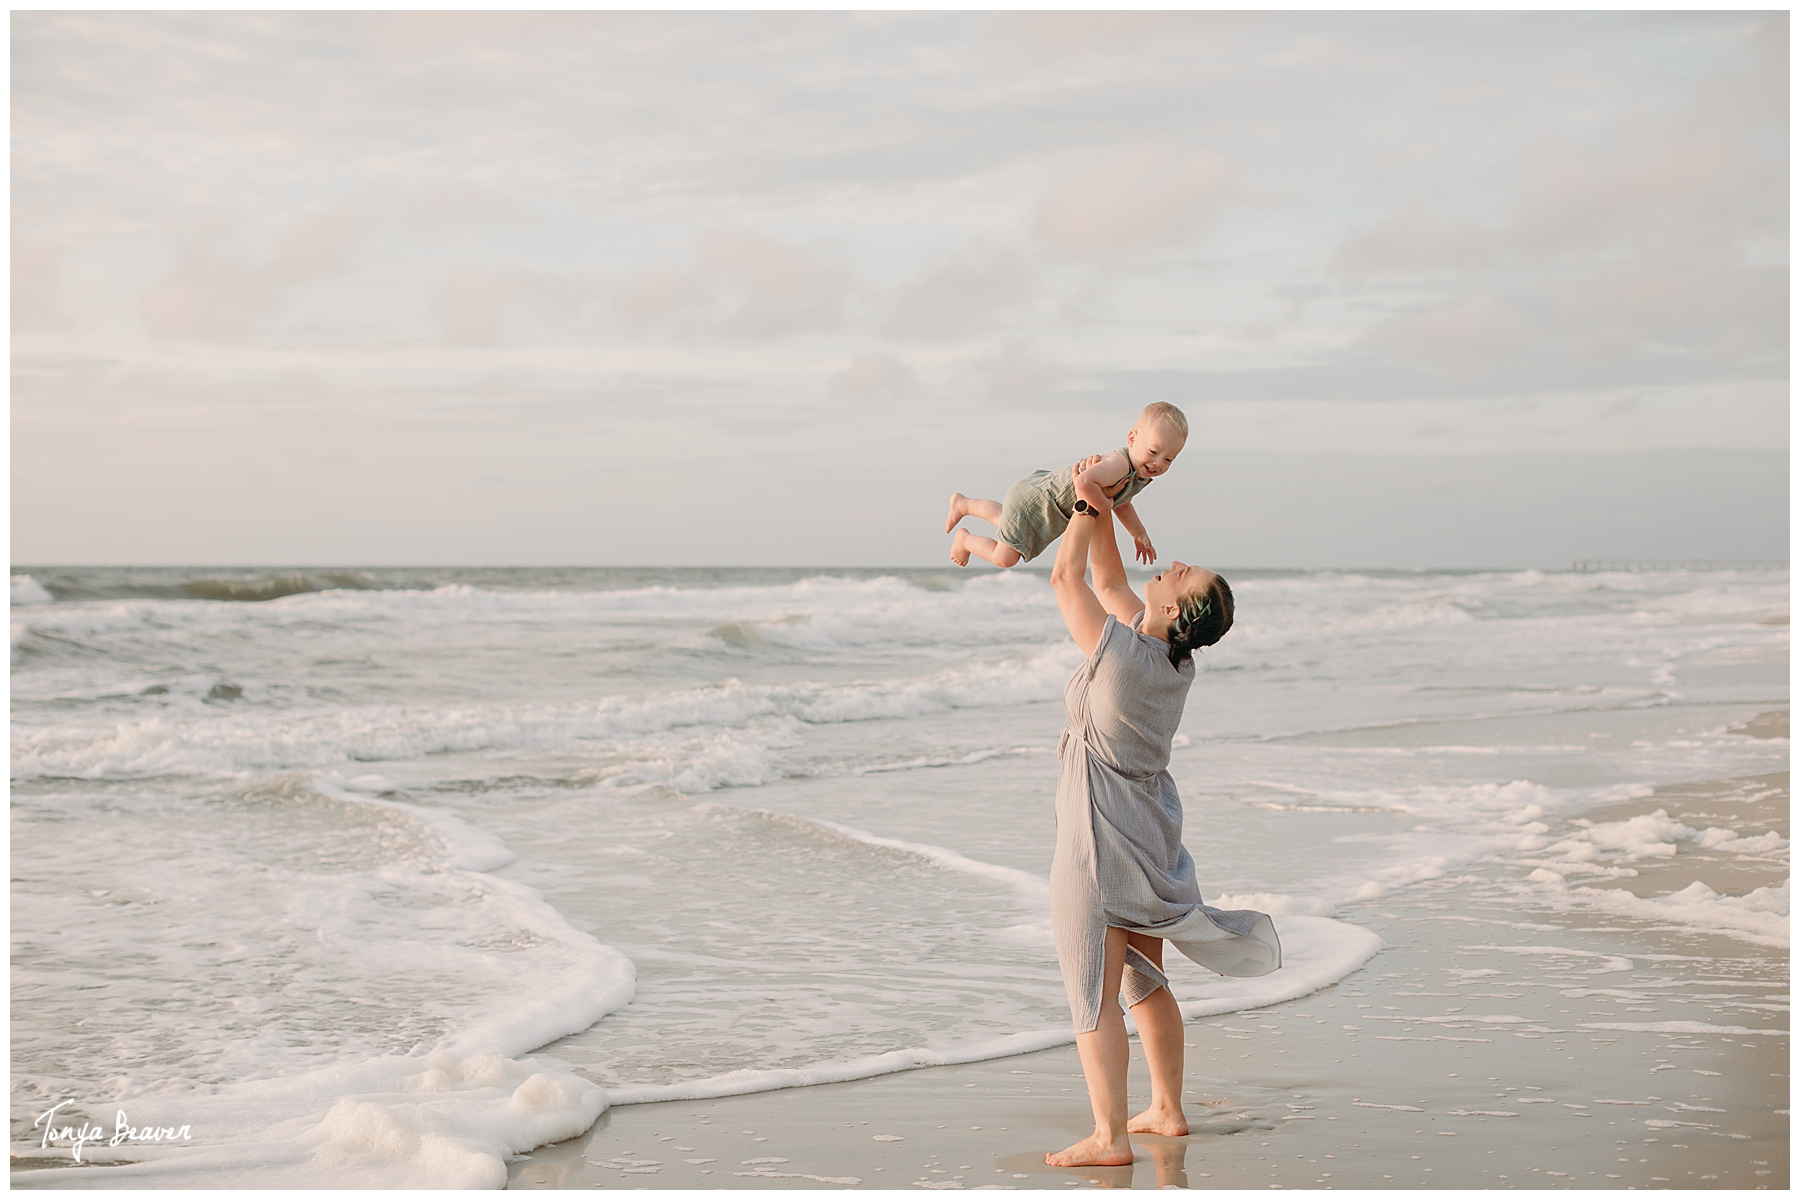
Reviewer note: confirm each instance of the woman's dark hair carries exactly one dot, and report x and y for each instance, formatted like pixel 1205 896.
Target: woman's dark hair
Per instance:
pixel 1205 617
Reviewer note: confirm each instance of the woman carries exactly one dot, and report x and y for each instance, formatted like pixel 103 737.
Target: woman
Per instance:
pixel 1122 882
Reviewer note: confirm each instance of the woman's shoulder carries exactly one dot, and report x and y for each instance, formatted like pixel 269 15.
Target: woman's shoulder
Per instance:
pixel 1128 648
pixel 1152 652
pixel 1119 639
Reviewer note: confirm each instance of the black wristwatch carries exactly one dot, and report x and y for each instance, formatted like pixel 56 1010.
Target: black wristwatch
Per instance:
pixel 1083 507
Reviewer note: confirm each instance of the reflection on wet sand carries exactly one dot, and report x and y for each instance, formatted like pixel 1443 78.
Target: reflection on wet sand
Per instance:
pixel 1168 1155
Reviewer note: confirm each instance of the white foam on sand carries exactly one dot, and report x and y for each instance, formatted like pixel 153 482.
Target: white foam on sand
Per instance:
pixel 1759 917
pixel 1466 823
pixel 447 1114
pixel 599 980
pixel 1679 1027
pixel 434 1120
pixel 1651 835
pixel 1316 952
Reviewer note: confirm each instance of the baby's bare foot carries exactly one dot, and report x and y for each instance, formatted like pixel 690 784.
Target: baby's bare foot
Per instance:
pixel 959 548
pixel 1169 1123
pixel 959 508
pixel 1093 1151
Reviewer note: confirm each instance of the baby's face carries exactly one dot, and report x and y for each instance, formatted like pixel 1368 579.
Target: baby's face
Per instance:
pixel 1153 447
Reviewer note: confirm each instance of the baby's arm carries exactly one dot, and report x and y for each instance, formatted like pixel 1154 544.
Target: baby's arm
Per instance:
pixel 1146 553
pixel 1093 482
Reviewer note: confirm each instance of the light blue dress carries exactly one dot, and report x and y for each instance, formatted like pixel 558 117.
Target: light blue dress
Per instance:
pixel 1119 858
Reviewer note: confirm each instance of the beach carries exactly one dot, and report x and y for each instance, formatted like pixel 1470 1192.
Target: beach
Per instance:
pixel 569 879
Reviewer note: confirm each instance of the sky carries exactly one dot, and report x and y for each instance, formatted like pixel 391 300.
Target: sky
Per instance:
pixel 1433 289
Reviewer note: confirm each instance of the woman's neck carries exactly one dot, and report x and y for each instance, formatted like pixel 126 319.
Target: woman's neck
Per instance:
pixel 1155 625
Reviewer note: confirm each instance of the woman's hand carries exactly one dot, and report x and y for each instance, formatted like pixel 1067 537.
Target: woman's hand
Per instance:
pixel 1089 489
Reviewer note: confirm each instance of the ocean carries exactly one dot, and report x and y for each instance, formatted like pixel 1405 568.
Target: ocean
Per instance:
pixel 380 876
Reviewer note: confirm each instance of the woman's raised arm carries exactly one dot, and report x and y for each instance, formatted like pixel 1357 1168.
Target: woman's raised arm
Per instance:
pixel 1109 573
pixel 1082 611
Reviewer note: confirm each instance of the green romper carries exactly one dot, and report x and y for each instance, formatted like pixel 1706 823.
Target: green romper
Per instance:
pixel 1040 506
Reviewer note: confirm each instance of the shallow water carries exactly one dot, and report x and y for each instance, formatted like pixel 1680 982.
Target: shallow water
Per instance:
pixel 361 814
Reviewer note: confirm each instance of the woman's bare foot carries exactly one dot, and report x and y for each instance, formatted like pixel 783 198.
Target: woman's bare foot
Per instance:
pixel 1169 1123
pixel 959 547
pixel 1093 1151
pixel 959 508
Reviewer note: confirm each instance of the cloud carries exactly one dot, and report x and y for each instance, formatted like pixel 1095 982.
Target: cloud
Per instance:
pixel 876 376
pixel 1022 369
pixel 206 296
pixel 1061 36
pixel 1136 198
pixel 1656 317
pixel 1470 334
pixel 318 247
pixel 741 284
pixel 962 294
pixel 780 290
pixel 457 203
pixel 471 304
pixel 1649 247
pixel 36 280
pixel 1640 186
pixel 478 306
pixel 656 294
pixel 216 292
pixel 1415 239
pixel 209 294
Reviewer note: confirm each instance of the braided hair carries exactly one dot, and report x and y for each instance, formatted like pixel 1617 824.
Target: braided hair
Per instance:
pixel 1204 618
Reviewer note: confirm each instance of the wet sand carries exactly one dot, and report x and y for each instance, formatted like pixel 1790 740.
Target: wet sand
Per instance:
pixel 1492 1044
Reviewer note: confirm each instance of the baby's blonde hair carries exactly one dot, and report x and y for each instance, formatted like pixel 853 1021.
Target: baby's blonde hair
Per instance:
pixel 1165 412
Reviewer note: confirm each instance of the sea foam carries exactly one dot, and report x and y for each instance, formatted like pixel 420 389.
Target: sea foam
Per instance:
pixel 27 591
pixel 208 743
pixel 434 1120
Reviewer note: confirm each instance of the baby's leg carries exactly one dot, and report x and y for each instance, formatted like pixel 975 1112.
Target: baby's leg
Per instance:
pixel 968 506
pixel 966 543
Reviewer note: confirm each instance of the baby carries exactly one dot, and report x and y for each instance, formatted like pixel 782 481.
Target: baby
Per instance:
pixel 1039 507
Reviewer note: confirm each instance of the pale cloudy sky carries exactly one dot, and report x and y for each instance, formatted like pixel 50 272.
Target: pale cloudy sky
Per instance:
pixel 741 288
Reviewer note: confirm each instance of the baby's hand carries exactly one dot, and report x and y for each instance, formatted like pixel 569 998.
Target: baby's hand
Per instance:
pixel 1146 553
